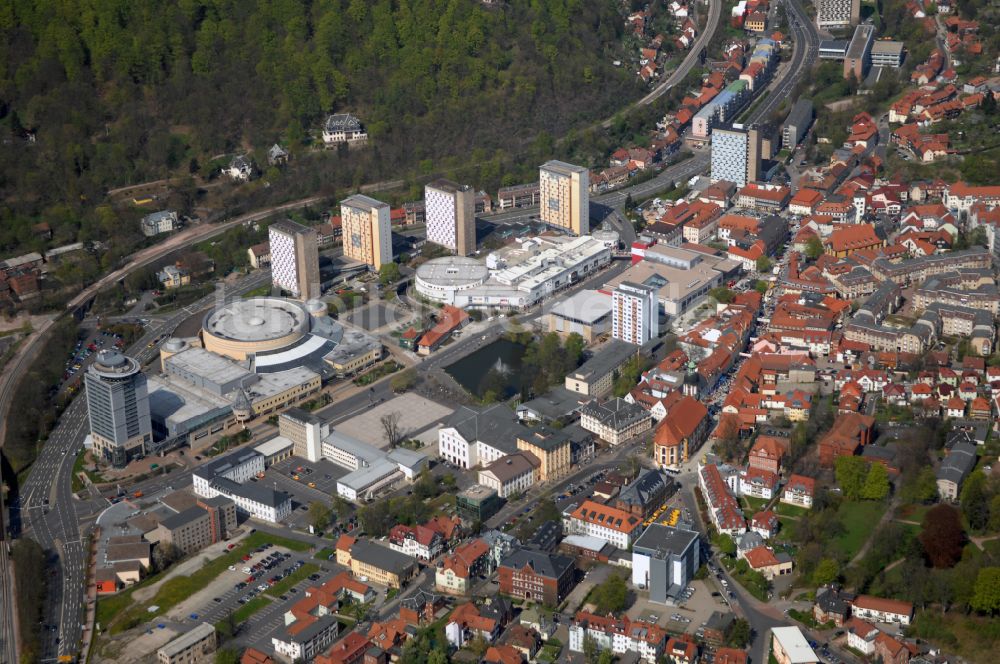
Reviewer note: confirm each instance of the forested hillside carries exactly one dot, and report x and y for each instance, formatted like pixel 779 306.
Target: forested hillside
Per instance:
pixel 121 91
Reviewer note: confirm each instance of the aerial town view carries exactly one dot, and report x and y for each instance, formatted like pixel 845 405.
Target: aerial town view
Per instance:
pixel 500 331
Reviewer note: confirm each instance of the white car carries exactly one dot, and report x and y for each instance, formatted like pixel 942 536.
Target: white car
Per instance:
pixel 247 570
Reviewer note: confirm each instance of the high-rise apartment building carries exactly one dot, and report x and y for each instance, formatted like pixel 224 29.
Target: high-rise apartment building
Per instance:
pixel 736 155
pixel 118 408
pixel 450 216
pixel 294 259
pixel 837 13
pixel 367 230
pixel 564 192
pixel 634 313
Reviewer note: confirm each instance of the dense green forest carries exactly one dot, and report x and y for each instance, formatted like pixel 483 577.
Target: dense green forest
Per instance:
pixel 96 94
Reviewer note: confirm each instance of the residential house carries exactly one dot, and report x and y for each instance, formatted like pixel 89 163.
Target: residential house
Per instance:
pixel 799 490
pixel 455 572
pixel 882 610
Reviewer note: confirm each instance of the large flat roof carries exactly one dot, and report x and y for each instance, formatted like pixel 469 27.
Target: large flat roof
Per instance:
pixel 176 402
pixel 862 35
pixel 257 319
pixel 270 384
pixel 887 47
pixel 672 283
pixel 453 271
pixel 795 645
pixel 665 540
pixel 562 168
pixel 587 306
pixel 606 359
pixel 200 362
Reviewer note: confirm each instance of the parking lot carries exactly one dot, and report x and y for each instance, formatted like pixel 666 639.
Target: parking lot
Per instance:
pixel 268 567
pixel 83 354
pixel 316 481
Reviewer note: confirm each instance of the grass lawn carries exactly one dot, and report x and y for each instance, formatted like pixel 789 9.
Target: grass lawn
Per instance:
pixel 549 653
pixel 250 608
pixel 258 292
pixel 301 573
pixel 324 553
pixel 784 509
pixel 172 592
pixel 77 469
pixel 859 519
pixel 754 504
pixel 787 525
pixel 912 512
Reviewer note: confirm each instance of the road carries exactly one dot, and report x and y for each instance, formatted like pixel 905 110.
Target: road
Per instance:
pixel 689 62
pixel 8 634
pixel 806 50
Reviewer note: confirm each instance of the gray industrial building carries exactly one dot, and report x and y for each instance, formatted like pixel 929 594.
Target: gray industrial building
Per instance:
pixel 797 123
pixel 664 560
pixel 118 408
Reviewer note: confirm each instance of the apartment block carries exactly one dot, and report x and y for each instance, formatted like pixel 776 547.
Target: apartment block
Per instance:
pixel 564 191
pixel 367 230
pixel 735 155
pixel 450 216
pixel 837 13
pixel 634 313
pixel 294 259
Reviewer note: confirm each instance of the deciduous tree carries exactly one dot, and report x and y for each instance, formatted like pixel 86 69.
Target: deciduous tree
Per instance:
pixel 986 597
pixel 975 500
pixel 942 536
pixel 826 572
pixel 876 485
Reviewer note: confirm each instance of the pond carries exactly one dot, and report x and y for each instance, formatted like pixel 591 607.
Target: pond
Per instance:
pixel 495 367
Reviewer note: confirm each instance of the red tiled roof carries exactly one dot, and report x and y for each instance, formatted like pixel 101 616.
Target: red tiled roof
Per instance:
pixel 609 517
pixel 760 557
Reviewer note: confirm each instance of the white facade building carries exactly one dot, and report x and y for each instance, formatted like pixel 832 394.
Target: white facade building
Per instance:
pixel 634 313
pixel 450 215
pixel 619 636
pixel 229 475
pixel 159 222
pixel 617 527
pixel 471 438
pixel 343 128
pixel 730 155
pixel 837 13
pixel 294 258
pixel 509 475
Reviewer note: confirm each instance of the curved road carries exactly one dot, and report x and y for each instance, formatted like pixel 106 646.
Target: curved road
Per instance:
pixel 714 13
